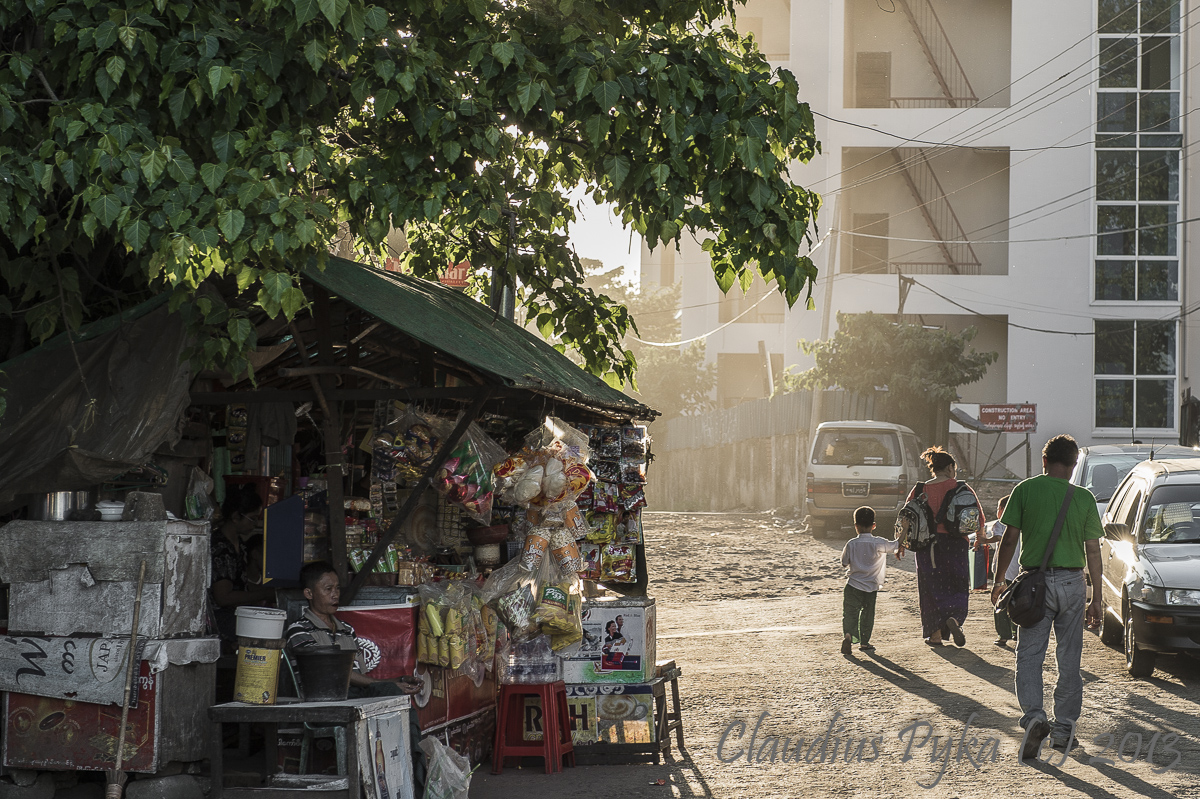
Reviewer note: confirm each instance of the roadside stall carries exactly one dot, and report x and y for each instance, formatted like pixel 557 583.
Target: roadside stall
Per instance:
pixel 376 434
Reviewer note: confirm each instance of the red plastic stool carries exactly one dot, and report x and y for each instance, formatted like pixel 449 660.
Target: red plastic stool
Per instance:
pixel 556 726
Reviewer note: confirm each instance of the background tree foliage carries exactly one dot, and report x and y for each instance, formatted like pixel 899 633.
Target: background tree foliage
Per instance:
pixel 675 381
pixel 920 366
pixel 160 143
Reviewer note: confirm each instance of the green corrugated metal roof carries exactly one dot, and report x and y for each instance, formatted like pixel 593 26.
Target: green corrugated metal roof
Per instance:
pixel 453 323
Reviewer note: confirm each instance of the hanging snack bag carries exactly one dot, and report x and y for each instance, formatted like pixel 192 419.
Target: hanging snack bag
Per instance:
pixel 633 472
pixel 574 522
pixel 634 443
pixel 587 497
pixel 563 640
pixel 535 548
pixel 630 530
pixel 609 446
pixel 564 550
pixel 603 528
pixel 466 477
pixel 590 555
pixel 618 564
pixel 608 471
pixel 631 497
pixel 606 498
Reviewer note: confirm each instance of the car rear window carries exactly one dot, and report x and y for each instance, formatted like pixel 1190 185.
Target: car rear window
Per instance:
pixel 857 448
pixel 1172 516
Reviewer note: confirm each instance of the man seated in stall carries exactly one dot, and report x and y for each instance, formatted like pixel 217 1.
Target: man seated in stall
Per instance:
pixel 320 626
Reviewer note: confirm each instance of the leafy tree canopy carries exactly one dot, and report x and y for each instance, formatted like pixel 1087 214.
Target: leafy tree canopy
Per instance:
pixel 162 143
pixel 919 365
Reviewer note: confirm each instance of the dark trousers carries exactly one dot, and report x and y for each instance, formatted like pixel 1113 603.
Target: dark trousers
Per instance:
pixel 858 614
pixel 1005 629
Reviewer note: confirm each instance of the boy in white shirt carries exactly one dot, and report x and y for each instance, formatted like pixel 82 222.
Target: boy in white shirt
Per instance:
pixel 866 557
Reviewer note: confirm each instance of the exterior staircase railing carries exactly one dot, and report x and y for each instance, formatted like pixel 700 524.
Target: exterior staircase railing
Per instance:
pixel 958 257
pixel 956 88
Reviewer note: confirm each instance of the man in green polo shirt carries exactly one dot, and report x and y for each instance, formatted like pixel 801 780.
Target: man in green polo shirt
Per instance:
pixel 1030 515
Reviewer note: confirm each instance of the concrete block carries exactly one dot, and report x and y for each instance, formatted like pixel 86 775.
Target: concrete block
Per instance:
pixel 178 786
pixel 41 788
pixel 83 790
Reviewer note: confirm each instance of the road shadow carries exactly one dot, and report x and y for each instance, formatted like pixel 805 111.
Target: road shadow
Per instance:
pixel 686 776
pixel 965 659
pixel 1134 784
pixel 917 685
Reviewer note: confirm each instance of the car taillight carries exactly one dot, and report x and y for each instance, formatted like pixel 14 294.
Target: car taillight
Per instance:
pixel 808 481
pixel 902 484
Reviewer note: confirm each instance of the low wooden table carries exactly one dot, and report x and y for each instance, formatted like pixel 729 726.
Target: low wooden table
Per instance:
pixel 668 718
pixel 286 712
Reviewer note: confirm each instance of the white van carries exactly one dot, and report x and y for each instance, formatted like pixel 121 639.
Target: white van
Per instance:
pixel 860 463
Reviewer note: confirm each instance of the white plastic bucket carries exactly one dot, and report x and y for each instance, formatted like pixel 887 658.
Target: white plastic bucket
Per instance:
pixel 260 622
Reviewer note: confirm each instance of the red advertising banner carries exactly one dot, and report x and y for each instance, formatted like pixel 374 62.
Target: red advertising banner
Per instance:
pixel 387 638
pixel 455 275
pixel 1018 418
pixel 44 732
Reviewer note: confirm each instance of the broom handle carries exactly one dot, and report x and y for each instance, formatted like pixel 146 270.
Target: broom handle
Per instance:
pixel 129 674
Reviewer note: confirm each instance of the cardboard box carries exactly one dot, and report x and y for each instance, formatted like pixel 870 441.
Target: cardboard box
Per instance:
pixel 618 643
pixel 600 714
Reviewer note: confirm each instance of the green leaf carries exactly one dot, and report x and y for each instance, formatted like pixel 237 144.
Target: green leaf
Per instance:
pixel 617 168
pixel 128 37
pixel 115 67
pixel 333 9
pixel 240 330
pixel 315 52
pixel 136 234
pixel 213 175
pixel 276 284
pixel 218 78
pixel 385 101
pixel 223 144
pixel 302 157
pixel 153 163
pixel 231 223
pixel 528 93
pixel 293 300
pixel 674 126
pixel 106 208
pixel 607 94
pixel 503 52
pixel 305 11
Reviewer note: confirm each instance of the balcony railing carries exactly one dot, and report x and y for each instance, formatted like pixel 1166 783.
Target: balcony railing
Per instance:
pixel 931 102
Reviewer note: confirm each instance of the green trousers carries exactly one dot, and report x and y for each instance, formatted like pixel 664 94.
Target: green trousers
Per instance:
pixel 858 614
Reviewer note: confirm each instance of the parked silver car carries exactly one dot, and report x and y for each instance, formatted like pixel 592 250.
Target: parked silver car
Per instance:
pixel 1101 468
pixel 1151 559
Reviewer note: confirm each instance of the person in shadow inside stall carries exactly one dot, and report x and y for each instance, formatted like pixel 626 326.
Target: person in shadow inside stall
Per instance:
pixel 241 517
pixel 319 626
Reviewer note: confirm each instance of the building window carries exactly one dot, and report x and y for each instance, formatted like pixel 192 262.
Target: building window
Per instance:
pixel 1135 374
pixel 1138 145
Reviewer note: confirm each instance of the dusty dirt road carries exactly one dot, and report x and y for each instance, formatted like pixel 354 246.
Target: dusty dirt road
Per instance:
pixel 750 607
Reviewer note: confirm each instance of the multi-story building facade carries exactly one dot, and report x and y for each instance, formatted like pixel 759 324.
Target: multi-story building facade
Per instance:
pixel 1016 166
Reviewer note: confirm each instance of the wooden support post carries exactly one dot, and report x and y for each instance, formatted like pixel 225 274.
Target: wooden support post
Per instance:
pixel 331 439
pixel 414 496
pixel 331 432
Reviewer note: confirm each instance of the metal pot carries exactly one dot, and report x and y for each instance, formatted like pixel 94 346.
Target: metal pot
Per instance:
pixel 57 506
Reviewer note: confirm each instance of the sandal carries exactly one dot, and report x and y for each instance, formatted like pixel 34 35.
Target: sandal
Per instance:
pixel 931 641
pixel 956 632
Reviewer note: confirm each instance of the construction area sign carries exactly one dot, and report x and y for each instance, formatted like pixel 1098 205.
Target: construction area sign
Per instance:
pixel 1020 418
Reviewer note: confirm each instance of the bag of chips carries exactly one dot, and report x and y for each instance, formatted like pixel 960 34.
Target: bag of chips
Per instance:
pixel 618 564
pixel 634 443
pixel 605 498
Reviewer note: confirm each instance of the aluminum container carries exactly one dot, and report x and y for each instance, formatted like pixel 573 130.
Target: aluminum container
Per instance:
pixel 57 506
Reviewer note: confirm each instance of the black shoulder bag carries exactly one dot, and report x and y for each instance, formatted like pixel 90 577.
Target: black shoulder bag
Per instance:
pixel 1025 597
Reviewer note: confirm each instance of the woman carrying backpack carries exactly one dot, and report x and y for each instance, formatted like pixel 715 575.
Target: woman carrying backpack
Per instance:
pixel 943 570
